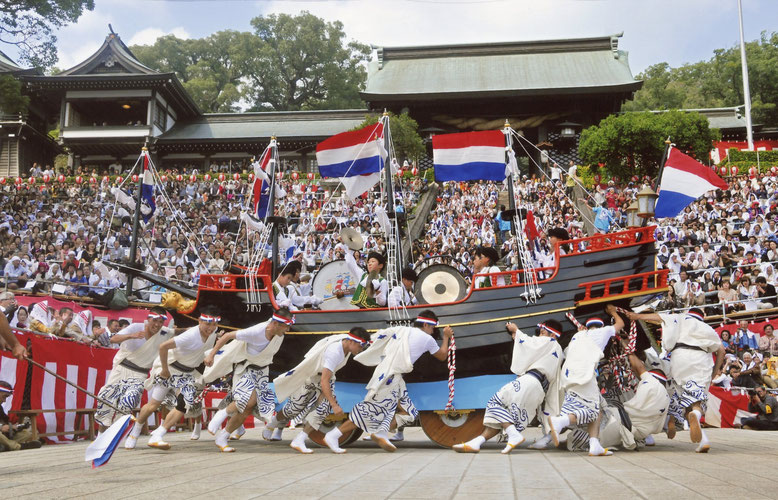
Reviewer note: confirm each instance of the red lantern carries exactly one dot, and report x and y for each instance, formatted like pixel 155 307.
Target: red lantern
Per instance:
pixel 119 179
pixel 193 178
pixel 92 180
pixel 400 172
pixel 222 177
pixel 251 177
pixel 236 176
pixel 635 178
pixel 179 177
pixel 3 180
pixel 774 170
pixel 163 178
pixel 79 179
pixel 295 176
pixel 724 170
pixel 311 176
pixel 597 178
pixel 207 177
pixel 134 178
pixel 61 178
pixel 46 178
pixel 415 171
pixel 734 170
pixel 31 180
pixel 106 178
pixel 753 171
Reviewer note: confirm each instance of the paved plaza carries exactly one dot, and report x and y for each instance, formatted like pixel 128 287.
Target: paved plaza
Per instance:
pixel 742 464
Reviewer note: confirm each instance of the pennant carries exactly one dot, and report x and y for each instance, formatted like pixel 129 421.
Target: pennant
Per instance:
pixel 101 449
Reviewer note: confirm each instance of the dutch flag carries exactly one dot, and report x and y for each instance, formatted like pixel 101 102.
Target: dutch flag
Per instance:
pixel 469 156
pixel 684 180
pixel 356 157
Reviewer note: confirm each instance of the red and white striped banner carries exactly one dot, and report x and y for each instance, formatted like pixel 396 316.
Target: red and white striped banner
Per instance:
pixel 131 314
pixel 726 407
pixel 15 373
pixel 85 366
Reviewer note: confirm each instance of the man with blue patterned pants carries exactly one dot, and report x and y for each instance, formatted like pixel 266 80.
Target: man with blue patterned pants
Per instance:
pixel 536 362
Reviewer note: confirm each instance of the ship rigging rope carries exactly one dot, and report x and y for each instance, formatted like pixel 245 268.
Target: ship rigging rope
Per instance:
pixel 546 175
pixel 115 202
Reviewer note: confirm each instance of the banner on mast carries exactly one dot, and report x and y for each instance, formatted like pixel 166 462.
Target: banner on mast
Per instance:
pixel 469 156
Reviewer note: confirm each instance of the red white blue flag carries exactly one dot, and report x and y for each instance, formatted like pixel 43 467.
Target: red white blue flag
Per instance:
pixel 356 157
pixel 684 179
pixel 262 183
pixel 469 156
pixel 101 449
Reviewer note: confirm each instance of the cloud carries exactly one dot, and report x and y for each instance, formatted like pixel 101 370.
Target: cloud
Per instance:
pixel 148 36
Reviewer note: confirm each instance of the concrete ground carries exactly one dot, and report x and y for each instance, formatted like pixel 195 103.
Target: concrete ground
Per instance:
pixel 741 464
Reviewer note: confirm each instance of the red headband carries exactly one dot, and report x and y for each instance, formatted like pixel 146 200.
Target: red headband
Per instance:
pixel 159 316
pixel 543 326
pixel 281 319
pixel 658 375
pixel 356 339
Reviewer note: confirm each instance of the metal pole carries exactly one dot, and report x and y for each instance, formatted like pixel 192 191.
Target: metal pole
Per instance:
pixel 746 87
pixel 271 206
pixel 136 222
pixel 389 187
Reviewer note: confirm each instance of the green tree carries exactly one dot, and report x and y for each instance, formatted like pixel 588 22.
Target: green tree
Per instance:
pixel 408 144
pixel 633 143
pixel 11 99
pixel 29 25
pixel 302 62
pixel 716 82
pixel 205 66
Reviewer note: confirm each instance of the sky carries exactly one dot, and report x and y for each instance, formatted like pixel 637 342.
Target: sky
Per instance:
pixel 655 31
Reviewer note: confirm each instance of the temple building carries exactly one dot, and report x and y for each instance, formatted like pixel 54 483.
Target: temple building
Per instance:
pixel 110 105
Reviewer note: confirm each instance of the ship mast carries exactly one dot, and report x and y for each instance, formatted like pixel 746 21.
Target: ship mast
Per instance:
pixel 394 232
pixel 136 221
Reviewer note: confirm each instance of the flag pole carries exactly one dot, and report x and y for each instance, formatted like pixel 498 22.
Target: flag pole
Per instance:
pixel 271 207
pixel 136 220
pixel 746 87
pixel 60 377
pixel 668 143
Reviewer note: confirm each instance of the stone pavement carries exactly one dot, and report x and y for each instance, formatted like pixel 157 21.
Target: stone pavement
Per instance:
pixel 741 464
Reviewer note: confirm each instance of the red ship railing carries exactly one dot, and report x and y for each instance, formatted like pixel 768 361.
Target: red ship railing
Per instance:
pixel 625 286
pixel 628 237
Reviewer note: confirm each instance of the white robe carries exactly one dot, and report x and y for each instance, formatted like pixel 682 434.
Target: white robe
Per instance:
pixel 305 372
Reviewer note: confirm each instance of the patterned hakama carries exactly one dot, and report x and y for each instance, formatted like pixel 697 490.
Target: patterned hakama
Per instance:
pixel 375 413
pixel 123 389
pixel 308 405
pixel 515 403
pixel 251 380
pixel 585 410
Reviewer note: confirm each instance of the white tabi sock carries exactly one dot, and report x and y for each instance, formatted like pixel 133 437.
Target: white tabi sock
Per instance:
pixel 274 423
pixel 514 436
pixel 595 448
pixel 158 434
pixel 331 440
pixel 217 420
pixel 564 421
pixel 476 442
pixel 299 440
pixel 136 429
pixel 381 435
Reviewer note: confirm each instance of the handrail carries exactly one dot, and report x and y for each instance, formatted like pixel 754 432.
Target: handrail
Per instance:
pixel 660 282
pixel 513 276
pixel 632 236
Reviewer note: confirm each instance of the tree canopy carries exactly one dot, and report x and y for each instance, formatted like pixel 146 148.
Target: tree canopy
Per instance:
pixel 716 82
pixel 29 25
pixel 11 99
pixel 288 63
pixel 633 143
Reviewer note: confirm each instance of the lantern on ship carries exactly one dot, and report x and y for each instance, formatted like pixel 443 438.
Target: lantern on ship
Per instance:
pixel 222 177
pixel 46 179
pixel 236 176
pixel 295 176
pixel 61 178
pixel 415 171
pixel 92 180
pixel 734 170
pixel 207 177
pixel 32 181
pixel 646 202
pixel 311 176
pixel 251 177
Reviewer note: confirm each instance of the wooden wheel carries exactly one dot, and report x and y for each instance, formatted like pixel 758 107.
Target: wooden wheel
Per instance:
pixel 344 440
pixel 448 429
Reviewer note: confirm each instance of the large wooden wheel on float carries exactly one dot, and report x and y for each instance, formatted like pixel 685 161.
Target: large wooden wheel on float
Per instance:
pixel 451 427
pixel 329 424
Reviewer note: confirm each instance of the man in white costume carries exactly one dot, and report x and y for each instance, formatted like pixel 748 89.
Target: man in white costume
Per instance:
pixel 248 357
pixel 138 348
pixel 691 343
pixel 393 352
pixel 581 405
pixel 310 386
pixel 536 362
pixel 402 294
pixel 174 371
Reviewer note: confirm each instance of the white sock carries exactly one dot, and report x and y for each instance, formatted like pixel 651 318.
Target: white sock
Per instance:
pixel 221 438
pixel 514 436
pixel 595 448
pixel 274 423
pixel 564 421
pixel 218 419
pixel 335 433
pixel 136 429
pixel 698 414
pixel 476 442
pixel 299 440
pixel 158 433
pixel 543 440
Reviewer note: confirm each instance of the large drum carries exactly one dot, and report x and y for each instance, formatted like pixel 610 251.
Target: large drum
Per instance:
pixel 332 277
pixel 439 284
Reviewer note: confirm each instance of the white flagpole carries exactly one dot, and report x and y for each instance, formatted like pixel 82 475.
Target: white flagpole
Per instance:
pixel 746 89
